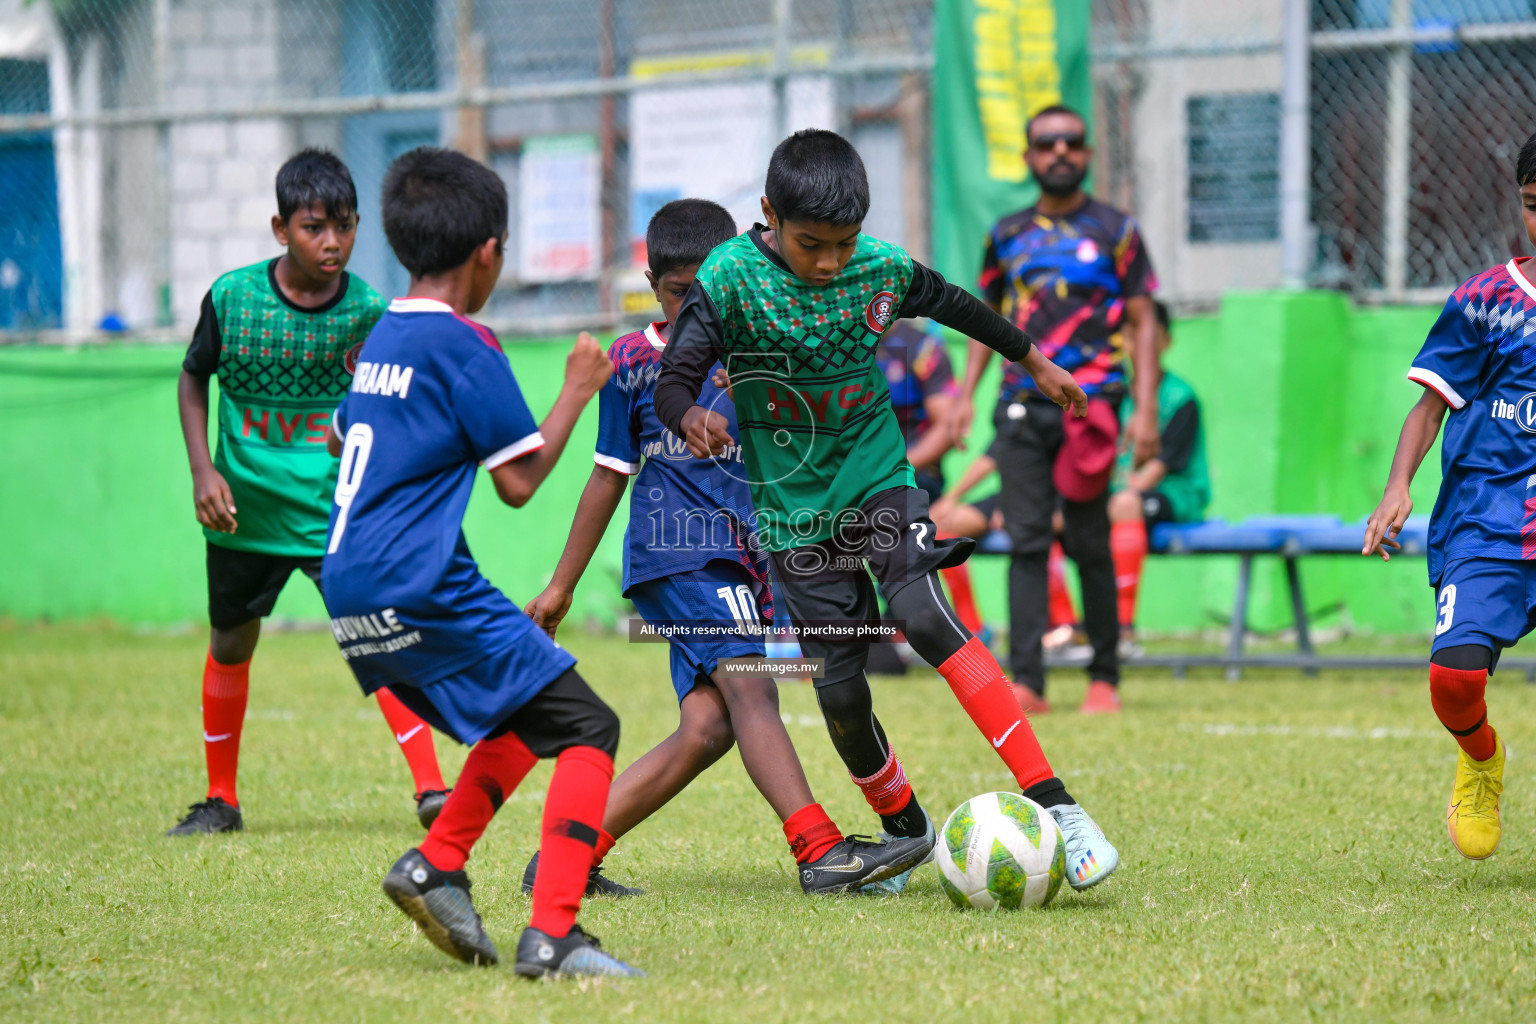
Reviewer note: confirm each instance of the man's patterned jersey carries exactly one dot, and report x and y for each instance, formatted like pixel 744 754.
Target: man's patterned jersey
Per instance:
pixel 282 370
pixel 683 512
pixel 1064 281
pixel 1480 357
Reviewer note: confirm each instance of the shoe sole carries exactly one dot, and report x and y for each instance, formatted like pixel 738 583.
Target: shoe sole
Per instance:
pixel 238 826
pixel 878 875
pixel 411 902
pixel 1452 830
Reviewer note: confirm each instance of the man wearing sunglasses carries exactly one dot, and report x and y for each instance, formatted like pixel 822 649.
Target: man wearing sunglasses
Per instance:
pixel 1073 274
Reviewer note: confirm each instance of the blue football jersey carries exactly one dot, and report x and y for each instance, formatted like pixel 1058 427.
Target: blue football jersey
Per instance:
pixel 683 512
pixel 433 398
pixel 1480 357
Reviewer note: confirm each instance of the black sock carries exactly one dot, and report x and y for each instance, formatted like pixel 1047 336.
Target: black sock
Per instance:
pixel 1050 793
pixel 910 821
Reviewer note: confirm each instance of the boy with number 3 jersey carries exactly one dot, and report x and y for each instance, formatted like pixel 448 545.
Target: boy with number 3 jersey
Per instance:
pixel 1478 363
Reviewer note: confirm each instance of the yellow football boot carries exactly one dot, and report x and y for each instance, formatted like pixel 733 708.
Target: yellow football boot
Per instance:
pixel 1473 817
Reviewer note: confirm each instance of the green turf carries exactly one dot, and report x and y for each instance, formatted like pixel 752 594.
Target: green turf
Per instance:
pixel 1285 858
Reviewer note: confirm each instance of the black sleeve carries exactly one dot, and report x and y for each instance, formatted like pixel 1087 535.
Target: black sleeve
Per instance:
pixel 954 307
pixel 694 347
pixel 1178 441
pixel 203 354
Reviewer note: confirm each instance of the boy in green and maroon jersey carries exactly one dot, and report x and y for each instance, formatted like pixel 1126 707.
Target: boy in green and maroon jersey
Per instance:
pixel 795 311
pixel 282 335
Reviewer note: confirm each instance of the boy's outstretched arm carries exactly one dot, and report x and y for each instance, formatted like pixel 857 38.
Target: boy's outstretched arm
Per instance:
pixel 211 498
pixel 599 500
pixel 954 307
pixel 1419 432
pixel 696 345
pixel 587 369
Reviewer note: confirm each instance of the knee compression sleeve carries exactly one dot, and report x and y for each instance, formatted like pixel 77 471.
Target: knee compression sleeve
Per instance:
pixel 931 625
pixel 850 716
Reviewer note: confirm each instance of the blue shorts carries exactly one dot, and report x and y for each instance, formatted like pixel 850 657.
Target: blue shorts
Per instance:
pixel 695 597
pixel 470 703
pixel 1490 602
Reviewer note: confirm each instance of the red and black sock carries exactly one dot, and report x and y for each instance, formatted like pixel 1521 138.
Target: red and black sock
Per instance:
pixel 573 818
pixel 984 692
pixel 491 773
pixel 1457 697
pixel 811 833
pixel 226 689
pixel 415 739
pixel 890 795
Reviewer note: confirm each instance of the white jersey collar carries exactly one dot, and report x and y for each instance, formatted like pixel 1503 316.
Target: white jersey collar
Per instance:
pixel 417 305
pixel 1518 268
pixel 653 333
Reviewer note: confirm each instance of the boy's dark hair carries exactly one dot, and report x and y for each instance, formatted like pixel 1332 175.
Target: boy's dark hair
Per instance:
pixel 816 175
pixel 315 176
pixel 1050 111
pixel 439 207
pixel 1525 165
pixel 683 231
pixel 1160 310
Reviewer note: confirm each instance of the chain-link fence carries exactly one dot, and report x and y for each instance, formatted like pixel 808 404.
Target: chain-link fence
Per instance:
pixel 1407 116
pixel 139 138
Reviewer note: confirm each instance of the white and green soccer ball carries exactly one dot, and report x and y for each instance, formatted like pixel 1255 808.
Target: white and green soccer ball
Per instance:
pixel 1001 850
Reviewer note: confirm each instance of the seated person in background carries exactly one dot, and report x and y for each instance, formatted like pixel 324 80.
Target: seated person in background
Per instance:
pixel 1172 487
pixel 922 382
pixel 955 518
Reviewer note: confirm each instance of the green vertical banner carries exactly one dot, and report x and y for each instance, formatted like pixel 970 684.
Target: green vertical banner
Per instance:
pixel 996 62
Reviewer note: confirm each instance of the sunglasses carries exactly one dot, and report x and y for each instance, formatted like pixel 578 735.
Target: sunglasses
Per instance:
pixel 1075 142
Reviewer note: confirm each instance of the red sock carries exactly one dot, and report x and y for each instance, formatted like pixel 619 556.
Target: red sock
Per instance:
pixel 1457 697
pixel 415 739
pixel 984 693
pixel 1128 547
pixel 1062 612
pixel 958 580
pixel 887 790
pixel 225 689
pixel 604 845
pixel 491 772
pixel 573 816
pixel 811 833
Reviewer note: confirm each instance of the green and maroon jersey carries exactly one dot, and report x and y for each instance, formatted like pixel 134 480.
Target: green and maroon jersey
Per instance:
pixel 818 432
pixel 282 371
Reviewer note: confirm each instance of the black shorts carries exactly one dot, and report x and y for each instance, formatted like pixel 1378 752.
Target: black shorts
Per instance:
pixel 892 539
pixel 1155 508
pixel 566 713
pixel 243 585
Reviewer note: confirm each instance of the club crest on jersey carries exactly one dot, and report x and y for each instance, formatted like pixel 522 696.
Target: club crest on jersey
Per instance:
pixel 880 312
pixel 351 359
pixel 1522 412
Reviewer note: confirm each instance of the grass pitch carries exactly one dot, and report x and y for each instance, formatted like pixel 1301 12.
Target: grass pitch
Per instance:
pixel 1285 857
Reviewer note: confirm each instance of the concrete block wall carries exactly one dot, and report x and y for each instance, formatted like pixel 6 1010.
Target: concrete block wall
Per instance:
pixel 224 53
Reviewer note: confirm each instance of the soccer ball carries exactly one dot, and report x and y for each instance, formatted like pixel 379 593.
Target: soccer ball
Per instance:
pixel 1001 850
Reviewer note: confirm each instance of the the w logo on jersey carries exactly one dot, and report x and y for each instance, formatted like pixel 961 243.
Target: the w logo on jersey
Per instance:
pixel 674 447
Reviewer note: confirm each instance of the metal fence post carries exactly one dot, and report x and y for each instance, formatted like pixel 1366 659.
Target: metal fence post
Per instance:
pixel 1296 144
pixel 1399 114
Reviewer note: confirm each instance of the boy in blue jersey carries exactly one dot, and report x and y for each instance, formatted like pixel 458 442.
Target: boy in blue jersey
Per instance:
pixel 433 397
pixel 1477 362
pixel 690 560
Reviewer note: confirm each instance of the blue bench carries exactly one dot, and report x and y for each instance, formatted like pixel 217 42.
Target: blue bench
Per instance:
pixel 1286 537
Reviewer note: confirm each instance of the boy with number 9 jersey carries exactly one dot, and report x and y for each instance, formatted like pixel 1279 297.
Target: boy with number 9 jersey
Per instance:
pixel 434 398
